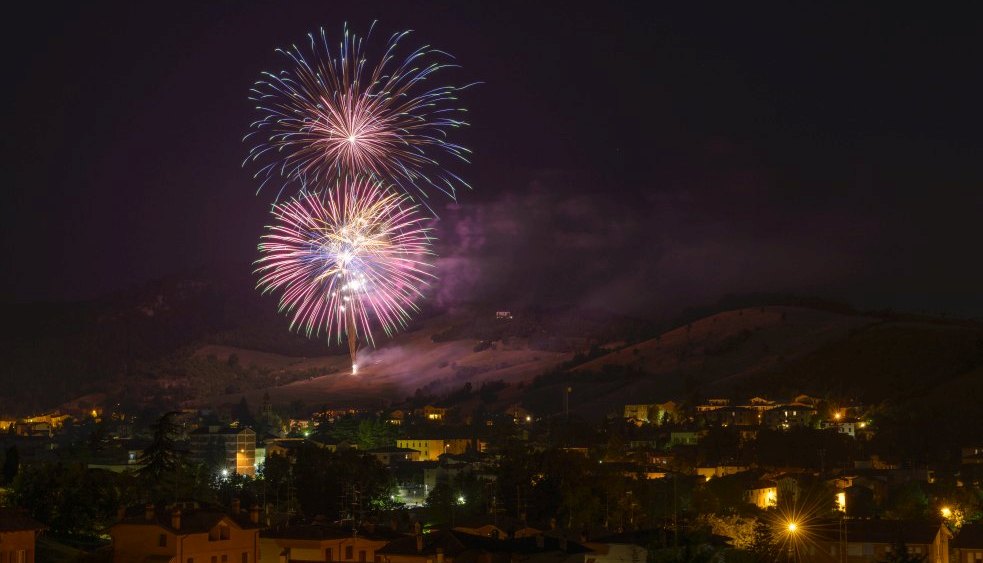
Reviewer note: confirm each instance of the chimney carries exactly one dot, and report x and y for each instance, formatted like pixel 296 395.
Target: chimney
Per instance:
pixel 235 506
pixel 419 543
pixel 149 512
pixel 176 518
pixel 552 523
pixel 254 514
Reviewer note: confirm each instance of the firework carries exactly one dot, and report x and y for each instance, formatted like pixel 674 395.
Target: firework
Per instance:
pixel 356 255
pixel 332 112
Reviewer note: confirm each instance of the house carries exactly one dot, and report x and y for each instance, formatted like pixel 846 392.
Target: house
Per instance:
pixel 396 417
pixel 719 471
pixel 763 494
pixel 651 413
pixel 731 416
pixel 519 415
pixel 185 533
pixel 842 425
pixel 390 455
pixel 967 547
pixel 451 546
pixel 626 547
pixel 433 413
pixel 18 533
pixel 972 455
pixel 869 541
pixel 500 527
pixel 234 448
pixel 786 416
pixel 322 543
pixel 684 437
pixel 432 448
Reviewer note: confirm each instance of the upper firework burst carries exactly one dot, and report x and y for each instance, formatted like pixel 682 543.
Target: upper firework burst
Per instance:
pixel 336 112
pixel 348 258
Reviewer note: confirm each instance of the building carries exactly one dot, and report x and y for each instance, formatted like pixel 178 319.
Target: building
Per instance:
pixel 451 546
pixel 626 547
pixel 432 448
pixel 842 425
pixel 651 413
pixel 391 455
pixel 715 471
pixel 967 547
pixel 433 413
pixel 396 417
pixel 786 416
pixel 684 437
pixel 870 541
pixel 763 494
pixel 731 416
pixel 972 455
pixel 18 533
pixel 187 534
pixel 234 448
pixel 322 543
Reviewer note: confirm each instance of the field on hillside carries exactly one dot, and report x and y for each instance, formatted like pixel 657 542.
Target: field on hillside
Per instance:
pixel 395 370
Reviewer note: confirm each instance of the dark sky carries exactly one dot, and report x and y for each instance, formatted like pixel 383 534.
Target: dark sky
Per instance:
pixel 640 158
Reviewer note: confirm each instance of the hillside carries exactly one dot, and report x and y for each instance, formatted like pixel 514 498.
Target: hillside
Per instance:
pixel 776 351
pixel 210 340
pixel 396 369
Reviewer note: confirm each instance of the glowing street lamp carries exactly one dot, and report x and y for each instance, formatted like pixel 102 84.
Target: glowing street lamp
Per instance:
pixel 946 512
pixel 792 527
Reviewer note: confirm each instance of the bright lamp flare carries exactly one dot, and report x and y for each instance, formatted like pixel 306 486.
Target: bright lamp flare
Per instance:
pixel 356 255
pixel 335 112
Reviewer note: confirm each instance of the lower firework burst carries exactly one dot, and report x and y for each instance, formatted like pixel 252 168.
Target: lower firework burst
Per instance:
pixel 348 258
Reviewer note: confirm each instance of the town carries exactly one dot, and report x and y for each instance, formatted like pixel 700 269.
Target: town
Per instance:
pixel 444 479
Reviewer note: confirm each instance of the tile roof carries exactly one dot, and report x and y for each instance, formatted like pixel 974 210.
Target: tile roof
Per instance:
pixel 13 520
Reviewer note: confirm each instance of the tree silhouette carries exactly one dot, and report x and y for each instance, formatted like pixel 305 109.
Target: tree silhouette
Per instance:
pixel 161 457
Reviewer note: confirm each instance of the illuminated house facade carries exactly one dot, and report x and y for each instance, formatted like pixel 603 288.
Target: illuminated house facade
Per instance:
pixel 187 535
pixel 432 448
pixel 18 533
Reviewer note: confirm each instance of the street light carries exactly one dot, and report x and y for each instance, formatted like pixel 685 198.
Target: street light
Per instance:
pixel 946 512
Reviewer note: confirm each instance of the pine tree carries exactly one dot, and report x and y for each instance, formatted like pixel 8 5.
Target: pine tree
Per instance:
pixel 161 457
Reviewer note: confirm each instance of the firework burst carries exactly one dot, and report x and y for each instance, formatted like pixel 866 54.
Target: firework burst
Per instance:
pixel 332 112
pixel 356 255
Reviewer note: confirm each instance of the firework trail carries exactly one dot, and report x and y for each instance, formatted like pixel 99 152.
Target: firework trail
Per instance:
pixel 352 256
pixel 333 112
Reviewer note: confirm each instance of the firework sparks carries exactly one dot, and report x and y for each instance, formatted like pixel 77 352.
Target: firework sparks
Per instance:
pixel 332 112
pixel 355 255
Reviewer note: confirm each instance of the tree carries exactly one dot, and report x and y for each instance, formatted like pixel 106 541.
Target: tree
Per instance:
pixel 900 554
pixel 241 412
pixel 374 433
pixel 161 457
pixel 763 546
pixel 11 464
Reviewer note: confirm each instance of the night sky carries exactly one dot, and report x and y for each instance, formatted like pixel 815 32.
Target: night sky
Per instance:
pixel 639 159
